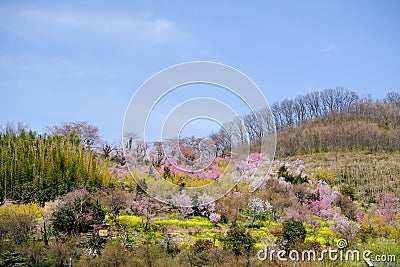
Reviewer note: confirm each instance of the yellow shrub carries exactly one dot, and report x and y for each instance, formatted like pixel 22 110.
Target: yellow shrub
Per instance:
pixel 320 239
pixel 218 243
pixel 222 164
pixel 192 221
pixel 33 209
pixel 379 225
pixel 328 175
pixel 130 219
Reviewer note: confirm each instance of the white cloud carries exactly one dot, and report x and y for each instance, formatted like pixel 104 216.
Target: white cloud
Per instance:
pixel 160 29
pixel 62 24
pixel 331 48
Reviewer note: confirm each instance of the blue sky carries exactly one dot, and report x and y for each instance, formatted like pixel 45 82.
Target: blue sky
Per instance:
pixel 83 61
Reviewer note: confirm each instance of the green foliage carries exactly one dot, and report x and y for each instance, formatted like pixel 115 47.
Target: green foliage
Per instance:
pixel 201 252
pixel 8 259
pixel 347 190
pixel 202 244
pixel 293 179
pixel 141 186
pixel 76 215
pixel 384 247
pixel 40 168
pixel 17 221
pixel 239 241
pixel 294 232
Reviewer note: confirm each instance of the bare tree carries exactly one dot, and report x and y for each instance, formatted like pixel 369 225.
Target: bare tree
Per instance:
pixel 393 100
pixel 266 120
pixel 87 134
pixel 313 103
pixel 239 132
pixel 252 125
pixel 300 109
pixel 222 141
pixel 288 111
pixel 276 111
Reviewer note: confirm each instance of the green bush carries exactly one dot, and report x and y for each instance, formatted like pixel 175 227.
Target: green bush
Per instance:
pixel 202 245
pixel 239 241
pixel 10 259
pixel 293 232
pixel 347 190
pixel 77 214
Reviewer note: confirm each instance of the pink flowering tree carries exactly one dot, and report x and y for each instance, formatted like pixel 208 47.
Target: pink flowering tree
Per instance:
pixel 252 168
pixel 297 212
pixel 143 208
pixel 324 199
pixel 346 228
pixel 147 207
pixel 388 207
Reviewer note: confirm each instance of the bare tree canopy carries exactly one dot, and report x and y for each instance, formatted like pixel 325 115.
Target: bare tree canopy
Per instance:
pixel 87 134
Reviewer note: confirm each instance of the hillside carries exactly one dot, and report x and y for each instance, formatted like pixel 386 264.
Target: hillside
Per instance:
pixel 334 184
pixel 338 133
pixel 368 173
pixel 347 149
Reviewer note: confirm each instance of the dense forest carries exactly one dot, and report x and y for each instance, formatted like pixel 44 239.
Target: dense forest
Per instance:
pixel 36 167
pixel 343 123
pixel 330 120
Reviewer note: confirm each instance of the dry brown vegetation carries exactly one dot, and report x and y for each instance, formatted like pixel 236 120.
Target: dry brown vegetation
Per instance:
pixel 368 173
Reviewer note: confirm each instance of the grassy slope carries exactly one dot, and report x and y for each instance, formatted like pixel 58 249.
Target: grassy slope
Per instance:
pixel 368 173
pixel 348 149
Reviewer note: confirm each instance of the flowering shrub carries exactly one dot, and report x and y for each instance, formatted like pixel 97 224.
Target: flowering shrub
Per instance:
pixel 289 195
pixel 184 204
pixel 323 199
pixel 215 218
pixel 389 207
pixel 300 213
pixel 213 171
pixel 291 173
pixel 206 204
pixel 258 208
pixel 346 228
pixel 252 168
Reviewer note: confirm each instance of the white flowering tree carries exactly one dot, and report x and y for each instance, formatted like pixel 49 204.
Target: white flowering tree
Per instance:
pixel 183 203
pixel 215 218
pixel 257 208
pixel 206 204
